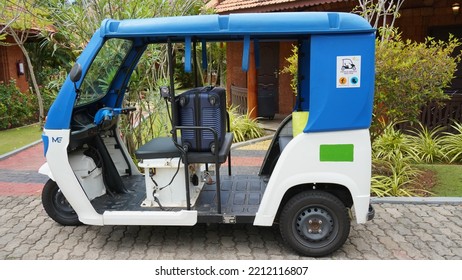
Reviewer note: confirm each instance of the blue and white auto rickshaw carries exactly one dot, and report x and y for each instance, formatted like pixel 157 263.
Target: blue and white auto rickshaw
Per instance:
pixel 308 182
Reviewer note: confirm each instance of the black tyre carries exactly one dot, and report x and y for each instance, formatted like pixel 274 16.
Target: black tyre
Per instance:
pixel 57 206
pixel 314 223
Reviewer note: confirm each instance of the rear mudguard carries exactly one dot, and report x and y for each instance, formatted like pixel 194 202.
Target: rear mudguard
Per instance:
pixel 305 161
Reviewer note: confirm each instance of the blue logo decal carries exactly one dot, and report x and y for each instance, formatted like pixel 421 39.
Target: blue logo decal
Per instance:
pixel 56 139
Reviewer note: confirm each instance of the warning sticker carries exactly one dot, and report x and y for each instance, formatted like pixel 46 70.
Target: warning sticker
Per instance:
pixel 349 71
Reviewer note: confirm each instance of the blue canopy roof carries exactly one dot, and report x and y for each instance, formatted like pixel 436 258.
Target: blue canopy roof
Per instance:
pixel 238 24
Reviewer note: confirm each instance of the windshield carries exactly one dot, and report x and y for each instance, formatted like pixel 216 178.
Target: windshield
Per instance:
pixel 102 70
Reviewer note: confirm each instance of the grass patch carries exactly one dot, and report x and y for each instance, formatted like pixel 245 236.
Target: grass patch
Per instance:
pixel 448 179
pixel 16 138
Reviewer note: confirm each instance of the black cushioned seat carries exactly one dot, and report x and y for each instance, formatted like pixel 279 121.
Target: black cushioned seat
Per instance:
pixel 163 147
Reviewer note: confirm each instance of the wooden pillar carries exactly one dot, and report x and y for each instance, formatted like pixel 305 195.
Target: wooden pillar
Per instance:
pixel 252 85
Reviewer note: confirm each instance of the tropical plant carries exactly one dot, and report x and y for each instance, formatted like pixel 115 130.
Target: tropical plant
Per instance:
pixel 391 141
pixel 292 68
pixel 394 175
pixel 427 145
pixel 452 144
pixel 243 127
pixel 394 155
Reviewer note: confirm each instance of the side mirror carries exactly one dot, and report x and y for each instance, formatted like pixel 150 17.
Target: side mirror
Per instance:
pixel 76 73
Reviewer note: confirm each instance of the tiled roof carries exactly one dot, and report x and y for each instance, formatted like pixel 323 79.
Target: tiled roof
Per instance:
pixel 236 5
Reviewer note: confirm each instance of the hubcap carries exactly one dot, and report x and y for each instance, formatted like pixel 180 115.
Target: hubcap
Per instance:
pixel 61 203
pixel 314 224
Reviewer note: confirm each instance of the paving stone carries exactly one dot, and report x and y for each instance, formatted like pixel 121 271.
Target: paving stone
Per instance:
pixel 382 252
pixel 411 251
pixel 448 243
pixel 31 254
pixel 42 243
pixel 351 252
pixel 71 242
pixel 444 211
pixel 395 213
pixel 389 243
pixel 92 254
pixel 80 248
pixel 62 254
pixel 49 251
pixel 121 254
pixel 440 249
pixel 19 251
pixel 422 234
pixel 401 255
pixel 7 238
pixel 457 252
pixel 98 242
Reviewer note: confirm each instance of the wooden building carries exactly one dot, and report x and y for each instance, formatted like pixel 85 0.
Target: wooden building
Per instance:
pixel 13 64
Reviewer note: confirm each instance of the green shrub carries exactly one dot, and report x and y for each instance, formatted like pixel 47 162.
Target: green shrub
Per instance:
pixel 390 142
pixel 393 156
pixel 394 176
pixel 427 145
pixel 409 75
pixel 452 144
pixel 16 108
pixel 243 127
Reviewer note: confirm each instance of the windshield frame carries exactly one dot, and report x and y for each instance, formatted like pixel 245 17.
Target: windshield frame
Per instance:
pixel 94 86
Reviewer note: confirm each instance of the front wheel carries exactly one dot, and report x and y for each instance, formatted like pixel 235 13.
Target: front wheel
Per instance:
pixel 314 223
pixel 57 206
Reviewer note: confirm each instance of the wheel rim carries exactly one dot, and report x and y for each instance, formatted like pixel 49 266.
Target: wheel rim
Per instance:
pixel 61 204
pixel 315 227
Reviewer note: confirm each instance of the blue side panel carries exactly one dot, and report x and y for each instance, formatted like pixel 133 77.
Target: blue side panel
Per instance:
pixel 246 54
pixel 45 144
pixel 187 55
pixel 59 115
pixel 333 107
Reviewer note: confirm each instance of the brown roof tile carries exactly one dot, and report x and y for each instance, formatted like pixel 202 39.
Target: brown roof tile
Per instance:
pixel 236 5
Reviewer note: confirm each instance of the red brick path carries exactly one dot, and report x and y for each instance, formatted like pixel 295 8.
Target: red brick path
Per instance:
pixel 18 173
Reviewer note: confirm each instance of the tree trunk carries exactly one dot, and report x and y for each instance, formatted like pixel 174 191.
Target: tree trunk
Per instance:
pixel 32 75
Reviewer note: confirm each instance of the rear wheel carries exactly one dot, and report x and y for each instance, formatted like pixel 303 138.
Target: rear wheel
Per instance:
pixel 314 223
pixel 57 206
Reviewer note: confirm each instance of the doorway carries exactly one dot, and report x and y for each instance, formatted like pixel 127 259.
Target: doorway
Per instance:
pixel 268 80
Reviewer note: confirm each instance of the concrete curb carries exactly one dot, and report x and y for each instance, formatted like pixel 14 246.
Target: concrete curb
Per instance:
pixel 250 142
pixel 417 200
pixel 9 154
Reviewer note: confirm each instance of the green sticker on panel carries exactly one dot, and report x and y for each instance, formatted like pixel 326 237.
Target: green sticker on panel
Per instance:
pixel 336 152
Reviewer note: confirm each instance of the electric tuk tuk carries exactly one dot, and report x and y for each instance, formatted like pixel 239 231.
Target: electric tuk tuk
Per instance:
pixel 310 181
